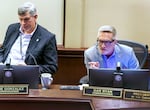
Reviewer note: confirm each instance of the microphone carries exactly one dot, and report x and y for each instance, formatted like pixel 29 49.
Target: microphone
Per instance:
pixel 35 62
pixel 8 61
pixel 118 81
pixel 8 73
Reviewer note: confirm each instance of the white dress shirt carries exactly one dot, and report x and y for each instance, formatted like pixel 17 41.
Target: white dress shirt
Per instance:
pixel 19 48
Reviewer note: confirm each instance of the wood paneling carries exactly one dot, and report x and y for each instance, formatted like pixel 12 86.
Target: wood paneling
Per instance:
pixel 70 66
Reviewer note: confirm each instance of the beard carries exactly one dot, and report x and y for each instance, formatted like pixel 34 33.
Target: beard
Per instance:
pixel 107 52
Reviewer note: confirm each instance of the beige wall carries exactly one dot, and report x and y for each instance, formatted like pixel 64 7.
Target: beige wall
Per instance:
pixel 83 17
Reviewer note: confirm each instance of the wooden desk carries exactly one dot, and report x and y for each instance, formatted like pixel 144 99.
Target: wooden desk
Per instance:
pixel 55 99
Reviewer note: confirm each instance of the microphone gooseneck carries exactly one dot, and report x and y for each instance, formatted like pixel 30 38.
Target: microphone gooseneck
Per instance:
pixel 35 62
pixel 117 80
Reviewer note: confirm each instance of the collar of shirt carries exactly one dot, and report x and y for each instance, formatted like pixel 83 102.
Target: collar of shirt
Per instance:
pixel 109 62
pixel 20 29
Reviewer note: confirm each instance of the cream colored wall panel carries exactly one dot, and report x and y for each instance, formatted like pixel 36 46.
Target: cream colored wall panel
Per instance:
pixel 130 17
pixel 73 23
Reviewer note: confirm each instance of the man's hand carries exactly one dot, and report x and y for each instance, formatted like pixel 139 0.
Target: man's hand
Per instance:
pixel 94 65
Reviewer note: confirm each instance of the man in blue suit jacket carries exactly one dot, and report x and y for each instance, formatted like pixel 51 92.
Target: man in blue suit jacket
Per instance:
pixel 28 43
pixel 107 53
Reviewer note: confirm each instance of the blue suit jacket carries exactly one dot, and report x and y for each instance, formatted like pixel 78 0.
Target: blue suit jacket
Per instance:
pixel 42 48
pixel 123 54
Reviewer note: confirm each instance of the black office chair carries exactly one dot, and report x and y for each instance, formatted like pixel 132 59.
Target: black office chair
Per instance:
pixel 141 52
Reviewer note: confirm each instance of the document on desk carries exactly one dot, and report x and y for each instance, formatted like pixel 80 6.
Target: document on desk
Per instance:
pixel 73 87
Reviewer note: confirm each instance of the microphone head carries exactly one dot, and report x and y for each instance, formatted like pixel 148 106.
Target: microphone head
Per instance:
pixel 8 61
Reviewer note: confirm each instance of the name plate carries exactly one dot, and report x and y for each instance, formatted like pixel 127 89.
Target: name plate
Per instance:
pixel 14 89
pixel 136 95
pixel 102 91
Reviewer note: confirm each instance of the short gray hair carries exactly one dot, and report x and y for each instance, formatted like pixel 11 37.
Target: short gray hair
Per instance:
pixel 107 28
pixel 27 7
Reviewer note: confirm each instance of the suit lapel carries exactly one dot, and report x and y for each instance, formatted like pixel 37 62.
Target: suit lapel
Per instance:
pixel 34 41
pixel 13 38
pixel 118 54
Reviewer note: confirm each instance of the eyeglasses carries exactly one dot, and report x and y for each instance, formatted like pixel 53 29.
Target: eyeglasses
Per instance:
pixel 107 43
